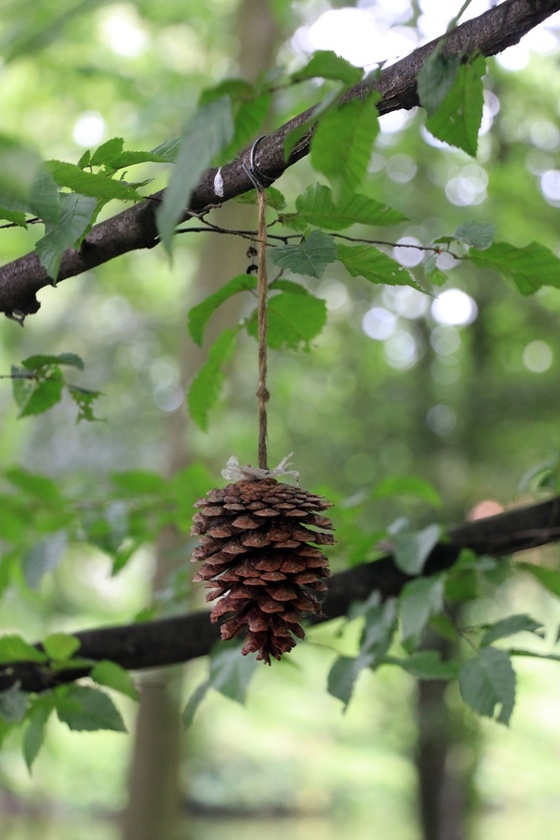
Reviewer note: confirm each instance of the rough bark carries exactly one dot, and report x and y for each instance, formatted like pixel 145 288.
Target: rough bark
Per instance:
pixel 170 641
pixel 135 227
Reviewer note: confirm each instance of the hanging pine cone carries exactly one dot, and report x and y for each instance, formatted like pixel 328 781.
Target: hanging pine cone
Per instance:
pixel 258 547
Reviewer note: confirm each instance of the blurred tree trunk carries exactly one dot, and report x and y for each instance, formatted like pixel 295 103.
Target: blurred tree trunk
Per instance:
pixel 154 794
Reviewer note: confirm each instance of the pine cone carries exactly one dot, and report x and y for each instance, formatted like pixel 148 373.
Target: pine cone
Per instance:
pixel 257 559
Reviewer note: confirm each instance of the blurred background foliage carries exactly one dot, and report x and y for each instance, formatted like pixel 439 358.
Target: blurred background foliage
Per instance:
pixel 460 390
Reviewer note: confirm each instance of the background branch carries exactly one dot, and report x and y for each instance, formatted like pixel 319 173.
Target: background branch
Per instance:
pixel 135 228
pixel 169 641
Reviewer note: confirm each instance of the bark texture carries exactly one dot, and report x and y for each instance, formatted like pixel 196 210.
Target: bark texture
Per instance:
pixel 135 228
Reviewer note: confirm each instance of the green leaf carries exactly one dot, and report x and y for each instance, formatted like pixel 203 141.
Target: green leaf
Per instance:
pixel 478 234
pixel 15 649
pixel 90 183
pixel 510 626
pixel 43 361
pixel 342 142
pixel 113 676
pixel 84 399
pixel 194 702
pixel 231 673
pixel 34 735
pixel 407 485
pixel 412 550
pixel 71 359
pixel 379 628
pixel 61 646
pixel 43 557
pixel 208 132
pixel 325 64
pixel 310 257
pixel 13 704
pixel 549 578
pixel 419 601
pixel 76 214
pixel 38 486
pixel 435 79
pixel 343 674
pixel 433 273
pixel 425 665
pixel 200 314
pixel 371 263
pixel 530 267
pixel 44 198
pixel 17 217
pixel 488 682
pixel 33 395
pixel 85 709
pixel 457 119
pixel 317 207
pixel 19 165
pixel 207 384
pixel 293 320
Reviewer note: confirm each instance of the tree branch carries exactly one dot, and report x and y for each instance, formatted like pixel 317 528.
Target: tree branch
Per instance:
pixel 135 228
pixel 169 641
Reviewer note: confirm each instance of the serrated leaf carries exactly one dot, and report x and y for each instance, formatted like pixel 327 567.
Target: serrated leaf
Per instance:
pixel 13 704
pixel 407 485
pixel 90 183
pixel 15 649
pixel 310 257
pixel 457 119
pixel 34 395
pixel 84 399
pixel 85 709
pixel 19 165
pixel 113 676
pixel 293 320
pixel 208 131
pixel 16 217
pixel 529 268
pixel 34 735
pixel 371 263
pixel 44 198
pixel 207 384
pixel 343 674
pixel 411 550
pixel 511 625
pixel 43 557
pixel 487 684
pixel 326 64
pixel 435 79
pixel 478 234
pixel 419 601
pixel 61 646
pixel 76 215
pixel 200 314
pixel 342 142
pixel 231 673
pixel 425 665
pixel 433 273
pixel 317 207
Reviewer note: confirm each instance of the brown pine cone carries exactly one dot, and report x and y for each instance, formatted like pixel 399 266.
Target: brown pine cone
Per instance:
pixel 258 547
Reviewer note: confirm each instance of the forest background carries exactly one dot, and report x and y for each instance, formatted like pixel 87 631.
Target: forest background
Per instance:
pixel 433 405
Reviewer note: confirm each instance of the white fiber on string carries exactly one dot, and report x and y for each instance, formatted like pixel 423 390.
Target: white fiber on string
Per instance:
pixel 234 472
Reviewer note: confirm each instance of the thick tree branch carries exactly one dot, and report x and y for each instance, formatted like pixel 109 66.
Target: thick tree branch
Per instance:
pixel 170 641
pixel 135 227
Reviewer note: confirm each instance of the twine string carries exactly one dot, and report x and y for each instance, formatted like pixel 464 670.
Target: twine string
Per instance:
pixel 262 393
